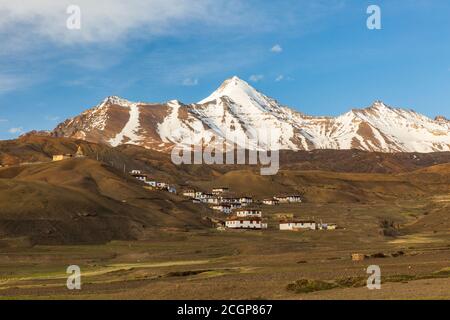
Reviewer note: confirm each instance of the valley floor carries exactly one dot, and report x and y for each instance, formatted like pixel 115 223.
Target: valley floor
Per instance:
pixel 214 264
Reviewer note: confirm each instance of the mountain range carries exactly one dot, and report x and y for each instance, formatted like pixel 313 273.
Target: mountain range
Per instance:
pixel 238 111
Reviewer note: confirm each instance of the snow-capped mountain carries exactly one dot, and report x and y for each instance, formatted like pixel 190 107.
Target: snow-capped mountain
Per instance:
pixel 239 113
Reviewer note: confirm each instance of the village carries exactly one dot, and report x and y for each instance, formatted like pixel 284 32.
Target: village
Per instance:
pixel 242 212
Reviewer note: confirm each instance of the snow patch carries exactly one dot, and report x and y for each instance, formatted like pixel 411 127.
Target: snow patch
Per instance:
pixel 130 130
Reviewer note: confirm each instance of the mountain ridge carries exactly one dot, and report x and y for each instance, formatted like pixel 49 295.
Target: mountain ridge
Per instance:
pixel 236 112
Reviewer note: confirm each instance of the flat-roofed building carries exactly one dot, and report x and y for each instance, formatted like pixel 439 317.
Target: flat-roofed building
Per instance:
pixel 249 213
pixel 245 223
pixel 293 225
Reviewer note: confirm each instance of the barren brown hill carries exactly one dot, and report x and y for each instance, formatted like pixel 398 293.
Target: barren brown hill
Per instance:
pixel 40 148
pixel 85 201
pixel 32 148
pixel 328 187
pixel 360 161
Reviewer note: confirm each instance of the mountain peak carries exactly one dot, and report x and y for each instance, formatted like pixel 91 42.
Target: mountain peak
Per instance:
pixel 235 78
pixel 378 104
pixel 234 88
pixel 116 100
pixel 240 92
pixel 441 119
pixel 380 107
pixel 234 81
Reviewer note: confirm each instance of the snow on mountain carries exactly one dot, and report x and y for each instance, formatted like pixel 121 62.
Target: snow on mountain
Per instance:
pixel 131 130
pixel 242 94
pixel 181 127
pixel 238 112
pixel 443 121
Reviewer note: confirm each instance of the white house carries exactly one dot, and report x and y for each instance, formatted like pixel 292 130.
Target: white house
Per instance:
pixel 218 191
pixel 140 177
pixel 294 198
pixel 231 200
pixel 327 226
pixel 245 200
pixel 235 205
pixel 229 206
pixel 199 195
pixel 211 200
pixel 190 193
pixel 271 202
pixel 296 225
pixel 225 208
pixel 205 197
pixel 289 199
pixel 249 213
pixel 151 183
pixel 281 199
pixel 245 223
pixel 135 172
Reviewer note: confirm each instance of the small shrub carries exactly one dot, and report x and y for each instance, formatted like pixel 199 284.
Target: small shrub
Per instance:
pixel 307 285
pixel 378 255
pixel 399 278
pixel 351 282
pixel 185 273
pixel 389 228
pixel 443 273
pixel 398 254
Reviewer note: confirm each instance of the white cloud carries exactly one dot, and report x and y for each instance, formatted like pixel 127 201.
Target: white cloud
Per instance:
pixel 189 82
pixel 17 130
pixel 279 78
pixel 10 83
pixel 110 20
pixel 26 24
pixel 276 49
pixel 256 77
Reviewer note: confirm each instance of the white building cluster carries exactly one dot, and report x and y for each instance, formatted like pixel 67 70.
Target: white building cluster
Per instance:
pixel 276 200
pixel 159 185
pixel 246 219
pixel 219 199
pixel 241 216
pixel 296 225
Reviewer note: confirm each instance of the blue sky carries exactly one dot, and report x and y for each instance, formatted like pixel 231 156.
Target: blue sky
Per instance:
pixel 316 56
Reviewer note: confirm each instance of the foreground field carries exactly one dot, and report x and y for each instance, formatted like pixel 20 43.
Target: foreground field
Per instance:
pixel 213 264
